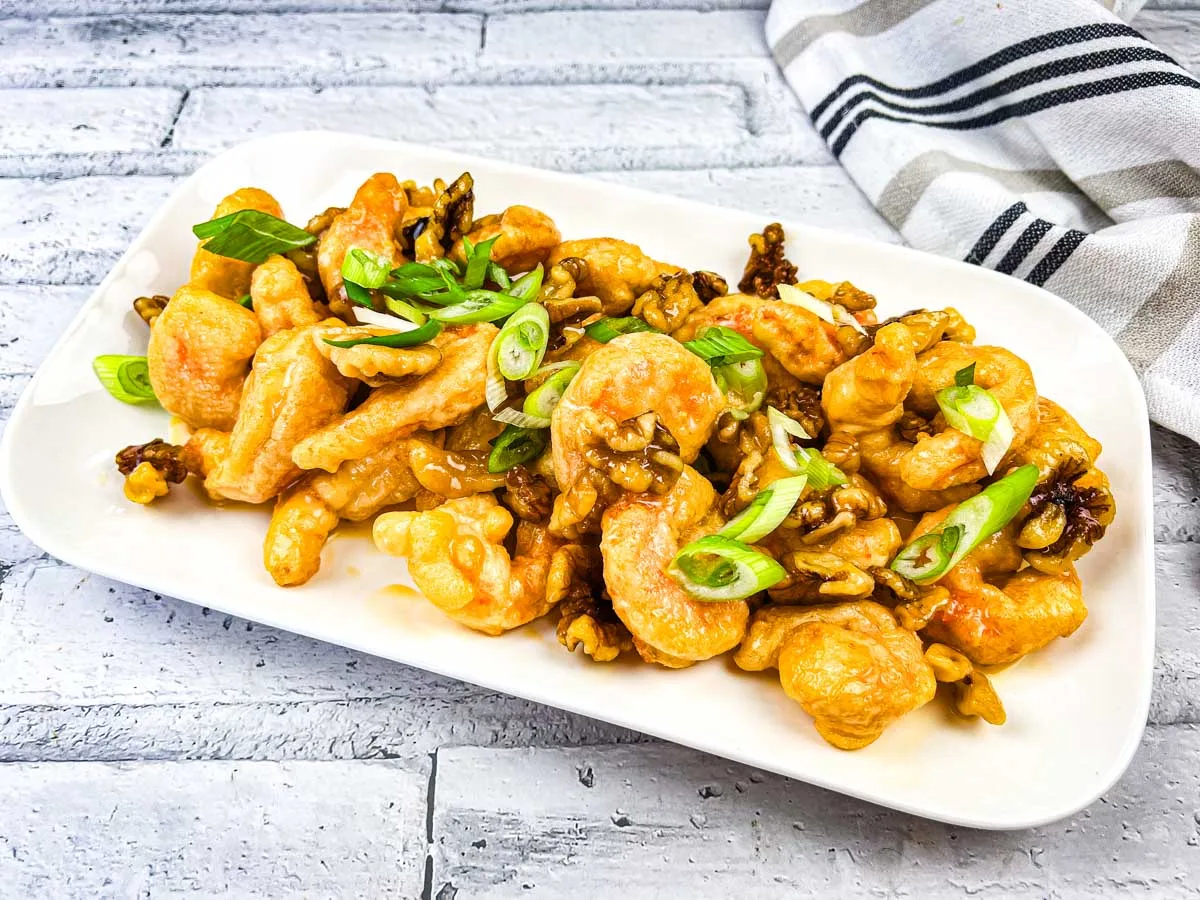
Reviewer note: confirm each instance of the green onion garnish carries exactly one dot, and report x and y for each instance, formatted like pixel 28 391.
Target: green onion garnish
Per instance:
pixel 527 286
pixel 604 330
pixel 522 341
pixel 744 385
pixel 718 568
pixel 478 260
pixel 404 310
pixel 426 332
pixel 251 236
pixel 781 426
pixel 516 445
pixel 933 555
pixel 246 300
pixel 125 377
pixel 545 397
pixel 479 306
pixel 769 507
pixel 499 276
pixel 822 474
pixel 975 411
pixel 720 346
pixel 364 269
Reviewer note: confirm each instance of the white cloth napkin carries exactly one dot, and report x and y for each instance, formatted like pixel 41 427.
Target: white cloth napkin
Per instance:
pixel 1046 139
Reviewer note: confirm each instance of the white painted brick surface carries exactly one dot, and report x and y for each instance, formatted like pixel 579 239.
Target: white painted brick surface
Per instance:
pixel 661 821
pixel 151 829
pixel 86 121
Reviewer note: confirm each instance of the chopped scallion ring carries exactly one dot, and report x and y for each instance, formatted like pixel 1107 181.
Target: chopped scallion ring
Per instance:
pixel 426 332
pixel 604 330
pixel 717 568
pixel 516 445
pixel 125 377
pixel 975 411
pixel 522 341
pixel 478 261
pixel 247 301
pixel 250 235
pixel 720 346
pixel 927 558
pixel 781 426
pixel 822 474
pixel 744 385
pixel 364 269
pixel 479 306
pixel 965 376
pixel 769 507
pixel 545 397
pixel 521 418
pixel 527 286
pixel 404 310
pixel 822 309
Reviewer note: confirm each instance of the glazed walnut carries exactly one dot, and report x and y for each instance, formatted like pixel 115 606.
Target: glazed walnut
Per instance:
pixel 767 267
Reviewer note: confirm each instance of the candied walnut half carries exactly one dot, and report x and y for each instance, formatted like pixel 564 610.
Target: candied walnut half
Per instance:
pixel 452 216
pixel 1068 513
pixel 588 621
pixel 669 300
pixel 170 460
pixel 767 267
pixel 913 605
pixel 709 285
pixel 819 575
pixel 150 308
pixel 800 402
pixel 528 494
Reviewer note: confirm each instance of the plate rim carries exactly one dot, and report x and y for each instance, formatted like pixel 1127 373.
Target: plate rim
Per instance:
pixel 27 521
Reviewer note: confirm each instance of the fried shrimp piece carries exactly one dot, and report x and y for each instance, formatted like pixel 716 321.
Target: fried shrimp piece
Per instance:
pixel 928 326
pixel 457 558
pixel 617 272
pixel 767 267
pixel 369 223
pixel 641 533
pixel 640 408
pixel 949 457
pixel 370 363
pixel 291 392
pixel 199 355
pixel 866 394
pixel 1072 505
pixel 850 666
pixel 997 614
pixel 524 237
pixel 801 343
pixel 230 278
pixel 882 454
pixel 444 396
pixel 281 298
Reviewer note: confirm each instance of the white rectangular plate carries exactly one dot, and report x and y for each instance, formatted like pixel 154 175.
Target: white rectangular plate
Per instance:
pixel 1075 710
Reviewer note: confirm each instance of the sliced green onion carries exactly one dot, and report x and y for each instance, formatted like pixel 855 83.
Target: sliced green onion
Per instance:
pixel 824 310
pixel 510 416
pixel 769 507
pixel 720 346
pixel 498 275
pixel 478 260
pixel 522 341
pixel 781 426
pixel 527 286
pixel 495 390
pixel 125 377
pixel 718 568
pixel 251 236
pixel 978 518
pixel 822 474
pixel 545 397
pixel 246 300
pixel 604 330
pixel 364 269
pixel 358 294
pixel 479 306
pixel 404 310
pixel 744 385
pixel 426 332
pixel 965 376
pixel 516 445
pixel 975 411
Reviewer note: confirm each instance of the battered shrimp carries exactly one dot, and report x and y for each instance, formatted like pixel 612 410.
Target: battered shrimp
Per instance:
pixel 199 355
pixel 291 392
pixel 524 237
pixel 641 535
pixel 850 666
pixel 801 343
pixel 457 558
pixel 950 457
pixel 445 396
pixel 368 223
pixel 281 299
pixel 617 272
pixel 230 278
pixel 621 382
pixel 997 614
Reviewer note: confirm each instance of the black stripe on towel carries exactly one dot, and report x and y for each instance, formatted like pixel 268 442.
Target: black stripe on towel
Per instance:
pixel 1077 35
pixel 1058 255
pixel 991 237
pixel 1056 69
pixel 1058 97
pixel 1023 246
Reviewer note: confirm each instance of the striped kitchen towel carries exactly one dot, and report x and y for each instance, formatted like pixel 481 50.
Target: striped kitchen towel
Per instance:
pixel 1046 139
